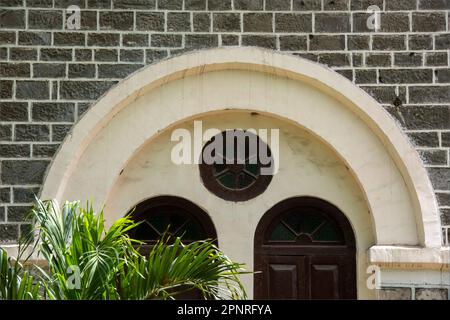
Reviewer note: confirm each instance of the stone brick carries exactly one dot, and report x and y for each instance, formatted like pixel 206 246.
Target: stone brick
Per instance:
pixel 88 20
pixel 99 4
pixel 292 43
pixel 32 132
pixel 39 3
pixel 59 131
pixel 201 40
pixel 9 233
pixel 53 112
pixel 134 4
pixel 445 139
pixel 5 196
pixel 394 22
pixel 406 76
pixel 178 21
pixel 44 150
pixel 326 42
pixel 420 42
pixel 442 75
pixel 38 90
pixel 332 22
pixel 23 171
pixel 170 4
pixel 306 5
pixel 431 94
pixel 5 132
pixel 428 22
pixel 14 150
pixel 154 55
pixel 347 73
pixel 83 90
pixel 6 89
pixel 335 4
pixel 278 5
pixel 360 22
pixel 431 294
pixel 45 19
pixel 81 71
pixel 293 22
pixel 11 3
pixel 386 94
pixel 434 157
pixel 362 5
pixel 113 20
pixel 424 139
pixel 436 59
pixel 395 5
pixel 17 213
pixel 13 70
pixel 219 5
pixel 117 70
pixel 334 59
pixel 252 5
pixel 12 19
pixel 106 55
pixel 259 41
pixel 408 59
pixel 422 117
pixel 136 55
pixel 49 70
pixel 442 41
pixel 226 22
pixel 83 55
pixel 434 4
pixel 258 22
pixel 14 111
pixel 357 59
pixel 201 22
pixel 7 37
pixel 365 76
pixel 3 53
pixel 25 195
pixel 195 4
pixel 445 213
pixel 166 40
pixel 389 42
pixel 135 40
pixel 69 39
pixel 52 54
pixel 395 294
pixel 103 39
pixel 150 21
pixel 230 40
pixel 36 38
pixel 358 42
pixel 23 54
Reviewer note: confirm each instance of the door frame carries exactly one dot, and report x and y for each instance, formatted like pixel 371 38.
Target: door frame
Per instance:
pixel 262 250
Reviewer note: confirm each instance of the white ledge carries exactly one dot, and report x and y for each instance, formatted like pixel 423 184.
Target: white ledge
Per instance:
pixel 402 257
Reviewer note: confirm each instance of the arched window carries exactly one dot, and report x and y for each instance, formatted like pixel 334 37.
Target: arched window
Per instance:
pixel 236 165
pixel 304 249
pixel 176 216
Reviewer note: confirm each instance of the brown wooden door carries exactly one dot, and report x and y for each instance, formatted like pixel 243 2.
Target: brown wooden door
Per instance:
pixel 304 249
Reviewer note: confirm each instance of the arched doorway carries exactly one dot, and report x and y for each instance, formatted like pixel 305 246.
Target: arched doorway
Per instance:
pixel 173 216
pixel 304 249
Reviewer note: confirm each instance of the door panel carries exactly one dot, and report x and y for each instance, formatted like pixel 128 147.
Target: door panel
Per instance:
pixel 324 281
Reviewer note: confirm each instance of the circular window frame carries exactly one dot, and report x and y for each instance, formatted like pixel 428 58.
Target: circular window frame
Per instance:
pixel 211 183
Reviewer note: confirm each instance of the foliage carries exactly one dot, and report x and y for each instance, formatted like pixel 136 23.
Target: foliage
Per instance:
pixel 87 260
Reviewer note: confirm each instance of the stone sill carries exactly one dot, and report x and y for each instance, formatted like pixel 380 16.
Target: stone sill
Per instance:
pixel 403 257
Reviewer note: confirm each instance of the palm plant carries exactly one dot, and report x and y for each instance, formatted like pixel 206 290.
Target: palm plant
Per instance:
pixel 87 261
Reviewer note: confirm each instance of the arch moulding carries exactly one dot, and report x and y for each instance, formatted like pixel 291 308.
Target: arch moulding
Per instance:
pixel 423 211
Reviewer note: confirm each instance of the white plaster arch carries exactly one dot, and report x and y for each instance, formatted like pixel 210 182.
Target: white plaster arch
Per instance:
pixel 395 165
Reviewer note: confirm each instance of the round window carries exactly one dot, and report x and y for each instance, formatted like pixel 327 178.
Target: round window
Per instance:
pixel 236 165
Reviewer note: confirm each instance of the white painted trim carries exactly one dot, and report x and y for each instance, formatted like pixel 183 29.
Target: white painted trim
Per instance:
pixel 254 59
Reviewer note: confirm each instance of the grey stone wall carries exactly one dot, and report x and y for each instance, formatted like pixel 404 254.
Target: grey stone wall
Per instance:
pixel 49 76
